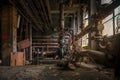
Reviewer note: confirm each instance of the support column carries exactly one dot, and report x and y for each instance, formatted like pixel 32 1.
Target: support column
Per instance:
pixel 9 33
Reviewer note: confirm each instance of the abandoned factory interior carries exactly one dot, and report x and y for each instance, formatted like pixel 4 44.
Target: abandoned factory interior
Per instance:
pixel 59 39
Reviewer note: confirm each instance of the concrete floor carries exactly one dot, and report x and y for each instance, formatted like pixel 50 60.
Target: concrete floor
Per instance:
pixel 52 72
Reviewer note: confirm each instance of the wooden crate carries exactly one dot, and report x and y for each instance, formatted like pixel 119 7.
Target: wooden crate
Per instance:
pixel 17 59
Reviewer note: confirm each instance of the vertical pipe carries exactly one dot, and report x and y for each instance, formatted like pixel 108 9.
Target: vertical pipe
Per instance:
pixel 89 22
pixel 62 16
pixel 30 41
pixel 18 21
pixel 61 35
pixel 74 26
pixel 113 22
pixel 92 11
pixel 74 29
pixel 81 18
pixel 78 21
pixel 0 37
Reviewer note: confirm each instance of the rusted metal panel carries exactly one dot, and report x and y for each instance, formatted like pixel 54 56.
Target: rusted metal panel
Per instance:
pixel 23 44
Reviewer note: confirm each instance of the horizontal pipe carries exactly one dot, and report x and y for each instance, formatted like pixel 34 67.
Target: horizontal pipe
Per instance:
pixel 94 52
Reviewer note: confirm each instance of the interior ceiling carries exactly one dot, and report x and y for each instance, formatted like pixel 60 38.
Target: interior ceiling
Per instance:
pixel 44 13
pixel 36 10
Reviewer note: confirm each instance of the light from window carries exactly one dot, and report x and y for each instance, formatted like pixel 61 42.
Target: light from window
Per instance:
pixel 108 25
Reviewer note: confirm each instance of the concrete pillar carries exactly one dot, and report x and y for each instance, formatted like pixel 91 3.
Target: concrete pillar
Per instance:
pixel 9 33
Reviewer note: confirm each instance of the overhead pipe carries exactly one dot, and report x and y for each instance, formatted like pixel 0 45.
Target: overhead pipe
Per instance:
pixel 98 56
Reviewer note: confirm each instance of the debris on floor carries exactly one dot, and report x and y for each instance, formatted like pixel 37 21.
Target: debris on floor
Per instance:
pixel 52 72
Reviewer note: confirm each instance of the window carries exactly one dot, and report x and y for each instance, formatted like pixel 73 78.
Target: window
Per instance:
pixel 117 20
pixel 85 40
pixel 108 25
